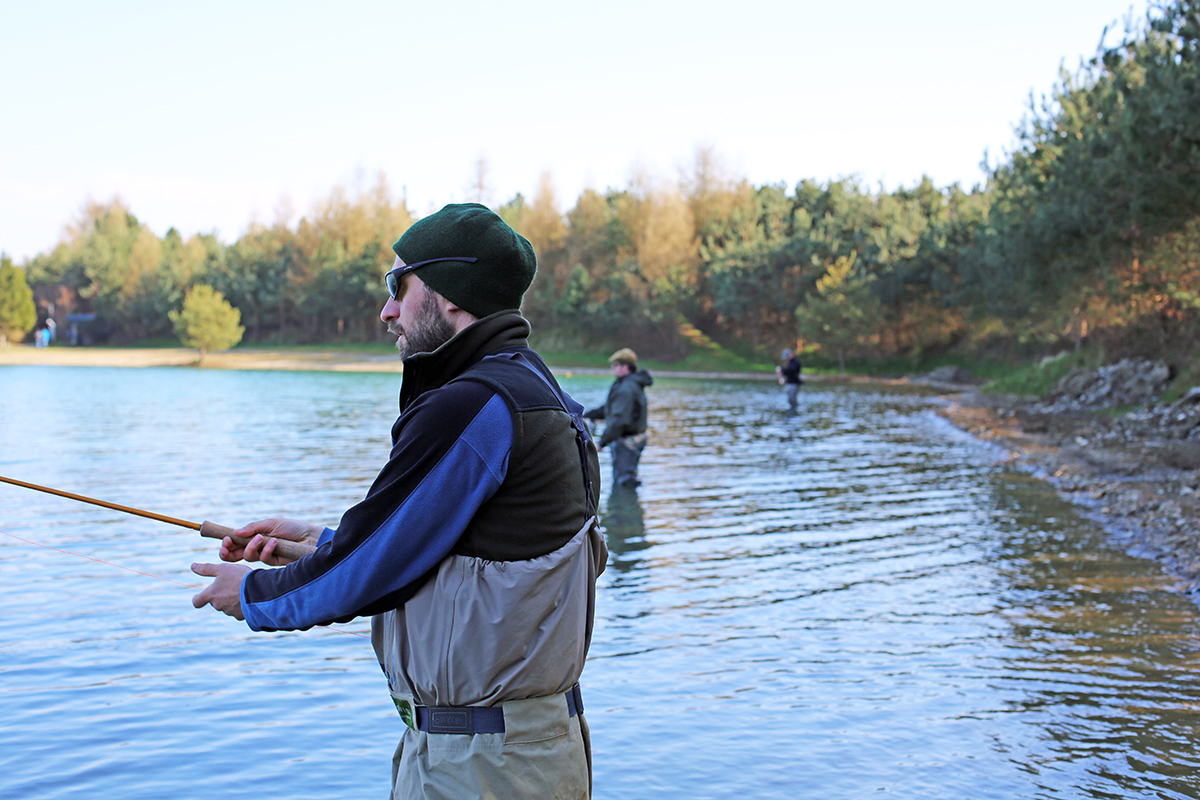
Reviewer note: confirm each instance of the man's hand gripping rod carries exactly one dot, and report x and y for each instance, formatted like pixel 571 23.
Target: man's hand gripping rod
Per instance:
pixel 211 530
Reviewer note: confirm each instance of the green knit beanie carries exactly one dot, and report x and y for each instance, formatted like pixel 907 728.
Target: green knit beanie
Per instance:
pixel 495 282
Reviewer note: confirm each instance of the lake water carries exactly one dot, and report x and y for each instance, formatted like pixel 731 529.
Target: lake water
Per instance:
pixel 855 601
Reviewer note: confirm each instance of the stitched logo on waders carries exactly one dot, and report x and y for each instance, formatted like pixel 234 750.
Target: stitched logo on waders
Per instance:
pixel 408 711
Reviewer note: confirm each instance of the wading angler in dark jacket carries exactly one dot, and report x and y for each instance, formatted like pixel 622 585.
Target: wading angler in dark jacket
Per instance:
pixel 476 550
pixel 789 376
pixel 625 413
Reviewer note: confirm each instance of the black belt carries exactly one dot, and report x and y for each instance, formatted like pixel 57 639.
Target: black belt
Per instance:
pixel 477 719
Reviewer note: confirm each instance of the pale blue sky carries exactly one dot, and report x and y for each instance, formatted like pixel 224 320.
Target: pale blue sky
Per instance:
pixel 203 116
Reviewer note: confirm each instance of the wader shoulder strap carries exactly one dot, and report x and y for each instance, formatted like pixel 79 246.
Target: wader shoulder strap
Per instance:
pixel 573 410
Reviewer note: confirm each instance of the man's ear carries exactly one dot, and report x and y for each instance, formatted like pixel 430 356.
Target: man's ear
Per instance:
pixel 456 316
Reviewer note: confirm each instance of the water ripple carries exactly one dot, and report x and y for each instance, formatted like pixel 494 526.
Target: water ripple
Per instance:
pixel 850 601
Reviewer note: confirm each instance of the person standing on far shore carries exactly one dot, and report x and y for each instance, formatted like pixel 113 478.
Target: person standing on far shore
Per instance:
pixel 789 376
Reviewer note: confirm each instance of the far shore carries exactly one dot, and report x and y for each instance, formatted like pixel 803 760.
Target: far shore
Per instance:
pixel 301 360
pixel 248 358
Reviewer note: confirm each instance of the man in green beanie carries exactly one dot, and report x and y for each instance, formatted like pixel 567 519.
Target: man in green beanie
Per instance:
pixel 476 550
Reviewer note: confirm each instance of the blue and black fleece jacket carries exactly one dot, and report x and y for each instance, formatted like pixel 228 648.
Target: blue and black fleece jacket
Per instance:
pixel 486 461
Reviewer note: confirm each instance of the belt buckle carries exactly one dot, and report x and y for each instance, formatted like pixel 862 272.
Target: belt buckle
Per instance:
pixel 408 710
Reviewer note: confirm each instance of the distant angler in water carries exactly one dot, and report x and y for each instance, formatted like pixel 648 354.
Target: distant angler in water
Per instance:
pixel 625 414
pixel 789 376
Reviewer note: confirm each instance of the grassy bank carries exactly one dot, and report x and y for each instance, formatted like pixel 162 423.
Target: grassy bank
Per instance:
pixel 696 361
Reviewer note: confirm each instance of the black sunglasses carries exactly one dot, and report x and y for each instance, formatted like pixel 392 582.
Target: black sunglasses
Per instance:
pixel 392 279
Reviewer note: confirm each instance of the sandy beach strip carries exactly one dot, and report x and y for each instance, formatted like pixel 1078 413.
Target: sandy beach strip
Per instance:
pixel 319 360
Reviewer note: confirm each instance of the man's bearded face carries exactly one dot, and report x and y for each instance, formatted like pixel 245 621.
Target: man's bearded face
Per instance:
pixel 427 332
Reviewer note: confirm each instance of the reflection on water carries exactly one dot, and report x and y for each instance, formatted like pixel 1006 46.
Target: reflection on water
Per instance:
pixel 853 600
pixel 624 526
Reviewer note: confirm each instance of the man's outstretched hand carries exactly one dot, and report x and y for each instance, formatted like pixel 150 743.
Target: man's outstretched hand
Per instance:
pixel 225 593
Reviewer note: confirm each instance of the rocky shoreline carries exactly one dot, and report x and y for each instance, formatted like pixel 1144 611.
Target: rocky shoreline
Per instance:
pixel 1137 473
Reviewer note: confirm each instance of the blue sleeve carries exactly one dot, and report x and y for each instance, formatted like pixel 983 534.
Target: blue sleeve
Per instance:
pixel 445 464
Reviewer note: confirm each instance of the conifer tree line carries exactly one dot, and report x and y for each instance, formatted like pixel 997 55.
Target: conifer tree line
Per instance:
pixel 1087 228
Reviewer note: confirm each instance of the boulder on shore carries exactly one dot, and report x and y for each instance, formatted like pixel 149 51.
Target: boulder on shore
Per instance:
pixel 948 374
pixel 1125 383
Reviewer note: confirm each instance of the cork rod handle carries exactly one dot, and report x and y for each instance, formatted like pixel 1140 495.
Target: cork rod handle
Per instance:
pixel 291 550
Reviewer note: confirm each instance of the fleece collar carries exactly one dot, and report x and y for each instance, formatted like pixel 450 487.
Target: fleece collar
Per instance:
pixel 426 371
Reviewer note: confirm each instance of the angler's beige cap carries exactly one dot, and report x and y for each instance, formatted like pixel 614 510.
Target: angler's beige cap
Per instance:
pixel 625 356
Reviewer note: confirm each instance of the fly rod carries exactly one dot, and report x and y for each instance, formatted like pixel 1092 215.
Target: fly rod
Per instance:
pixel 210 530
